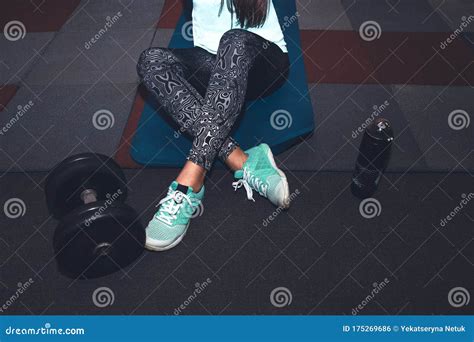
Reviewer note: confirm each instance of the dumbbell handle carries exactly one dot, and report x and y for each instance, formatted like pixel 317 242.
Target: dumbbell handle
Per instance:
pixel 89 196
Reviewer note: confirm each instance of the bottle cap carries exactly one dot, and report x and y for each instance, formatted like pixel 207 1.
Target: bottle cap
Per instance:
pixel 380 129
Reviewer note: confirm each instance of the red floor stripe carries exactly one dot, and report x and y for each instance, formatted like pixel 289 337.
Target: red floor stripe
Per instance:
pixel 6 94
pixel 38 15
pixel 170 14
pixel 395 58
pixel 122 157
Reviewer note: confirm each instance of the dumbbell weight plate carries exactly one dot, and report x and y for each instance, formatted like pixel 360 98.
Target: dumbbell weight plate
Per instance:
pixel 69 178
pixel 98 239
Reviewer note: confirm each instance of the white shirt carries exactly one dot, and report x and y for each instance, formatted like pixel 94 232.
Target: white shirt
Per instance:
pixel 208 26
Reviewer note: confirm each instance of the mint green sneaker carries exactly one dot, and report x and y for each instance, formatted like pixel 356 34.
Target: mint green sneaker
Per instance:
pixel 261 174
pixel 171 221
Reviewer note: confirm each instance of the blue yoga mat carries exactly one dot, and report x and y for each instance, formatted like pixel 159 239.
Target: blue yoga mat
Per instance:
pixel 278 120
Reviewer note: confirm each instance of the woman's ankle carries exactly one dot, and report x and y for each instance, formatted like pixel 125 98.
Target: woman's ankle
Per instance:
pixel 192 175
pixel 236 160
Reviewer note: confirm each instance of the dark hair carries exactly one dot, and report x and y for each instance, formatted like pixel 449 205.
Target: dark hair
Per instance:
pixel 250 13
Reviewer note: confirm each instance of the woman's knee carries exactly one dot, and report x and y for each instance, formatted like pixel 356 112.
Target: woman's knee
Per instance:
pixel 151 59
pixel 238 36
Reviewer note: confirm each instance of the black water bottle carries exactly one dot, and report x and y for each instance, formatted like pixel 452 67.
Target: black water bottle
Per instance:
pixel 374 155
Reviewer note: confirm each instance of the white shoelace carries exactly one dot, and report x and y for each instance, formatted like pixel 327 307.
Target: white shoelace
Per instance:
pixel 248 180
pixel 170 206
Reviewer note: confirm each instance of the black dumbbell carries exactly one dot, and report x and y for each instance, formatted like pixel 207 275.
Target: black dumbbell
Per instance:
pixel 97 234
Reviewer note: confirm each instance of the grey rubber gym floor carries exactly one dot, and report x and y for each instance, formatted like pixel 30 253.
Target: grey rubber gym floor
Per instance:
pixel 323 250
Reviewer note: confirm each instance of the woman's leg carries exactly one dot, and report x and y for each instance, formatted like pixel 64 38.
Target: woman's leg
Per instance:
pixel 166 74
pixel 268 72
pixel 226 94
pixel 178 79
pixel 209 120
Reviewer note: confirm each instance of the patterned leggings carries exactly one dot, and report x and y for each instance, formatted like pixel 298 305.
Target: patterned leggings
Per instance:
pixel 205 93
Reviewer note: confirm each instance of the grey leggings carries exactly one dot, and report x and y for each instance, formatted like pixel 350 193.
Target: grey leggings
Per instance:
pixel 205 93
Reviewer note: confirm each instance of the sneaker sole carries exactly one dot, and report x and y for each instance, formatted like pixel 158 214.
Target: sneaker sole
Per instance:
pixel 153 248
pixel 286 194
